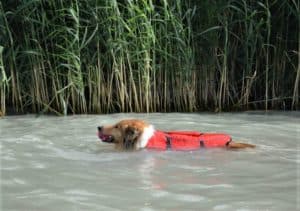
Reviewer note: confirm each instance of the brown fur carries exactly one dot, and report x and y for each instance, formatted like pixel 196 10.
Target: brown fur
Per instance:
pixel 235 145
pixel 127 132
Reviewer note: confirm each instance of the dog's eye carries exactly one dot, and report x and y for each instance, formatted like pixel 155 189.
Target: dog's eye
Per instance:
pixel 117 126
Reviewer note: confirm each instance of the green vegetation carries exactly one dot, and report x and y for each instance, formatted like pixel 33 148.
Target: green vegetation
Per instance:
pixel 78 56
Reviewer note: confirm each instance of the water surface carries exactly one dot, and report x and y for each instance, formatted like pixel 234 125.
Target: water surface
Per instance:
pixel 58 163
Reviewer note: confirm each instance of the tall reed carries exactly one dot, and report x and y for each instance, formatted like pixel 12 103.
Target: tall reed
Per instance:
pixel 108 56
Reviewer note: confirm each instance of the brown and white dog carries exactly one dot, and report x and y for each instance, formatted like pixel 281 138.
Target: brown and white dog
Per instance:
pixel 134 134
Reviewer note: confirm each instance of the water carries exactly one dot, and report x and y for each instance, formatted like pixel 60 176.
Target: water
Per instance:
pixel 58 163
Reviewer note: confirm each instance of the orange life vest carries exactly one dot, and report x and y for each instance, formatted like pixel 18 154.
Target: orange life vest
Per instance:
pixel 186 140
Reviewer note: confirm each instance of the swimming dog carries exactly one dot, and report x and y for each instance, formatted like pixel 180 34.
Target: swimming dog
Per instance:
pixel 135 134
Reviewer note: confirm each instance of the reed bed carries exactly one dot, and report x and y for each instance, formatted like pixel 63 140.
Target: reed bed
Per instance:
pixel 76 56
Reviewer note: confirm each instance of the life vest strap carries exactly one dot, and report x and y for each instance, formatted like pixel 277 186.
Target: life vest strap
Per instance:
pixel 168 142
pixel 202 145
pixel 228 142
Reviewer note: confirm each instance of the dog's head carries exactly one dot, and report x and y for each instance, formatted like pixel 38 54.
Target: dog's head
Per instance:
pixel 126 134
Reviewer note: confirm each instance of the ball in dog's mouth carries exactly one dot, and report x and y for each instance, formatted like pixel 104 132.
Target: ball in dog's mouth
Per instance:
pixel 106 138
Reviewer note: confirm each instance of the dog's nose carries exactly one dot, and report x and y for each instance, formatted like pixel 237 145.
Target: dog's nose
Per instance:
pixel 99 128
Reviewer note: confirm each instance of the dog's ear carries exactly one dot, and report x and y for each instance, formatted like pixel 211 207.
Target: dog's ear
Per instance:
pixel 130 138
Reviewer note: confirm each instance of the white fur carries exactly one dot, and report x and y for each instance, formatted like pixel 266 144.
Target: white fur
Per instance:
pixel 145 137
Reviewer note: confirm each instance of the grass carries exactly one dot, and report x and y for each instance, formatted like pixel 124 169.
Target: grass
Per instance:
pixel 108 56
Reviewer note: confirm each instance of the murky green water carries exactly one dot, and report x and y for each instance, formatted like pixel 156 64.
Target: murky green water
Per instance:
pixel 58 163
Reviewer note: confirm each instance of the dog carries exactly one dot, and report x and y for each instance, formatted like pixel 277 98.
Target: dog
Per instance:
pixel 135 134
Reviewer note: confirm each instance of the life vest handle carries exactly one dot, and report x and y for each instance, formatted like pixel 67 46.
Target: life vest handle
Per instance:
pixel 186 133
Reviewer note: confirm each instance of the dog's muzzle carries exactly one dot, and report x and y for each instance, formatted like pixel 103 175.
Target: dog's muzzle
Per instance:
pixel 105 138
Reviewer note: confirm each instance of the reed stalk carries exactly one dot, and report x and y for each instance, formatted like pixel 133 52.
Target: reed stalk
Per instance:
pixel 295 102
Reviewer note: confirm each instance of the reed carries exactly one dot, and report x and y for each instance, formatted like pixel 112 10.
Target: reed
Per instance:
pixel 108 56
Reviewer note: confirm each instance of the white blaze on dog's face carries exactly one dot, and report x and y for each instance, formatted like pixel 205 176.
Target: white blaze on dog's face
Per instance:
pixel 130 134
